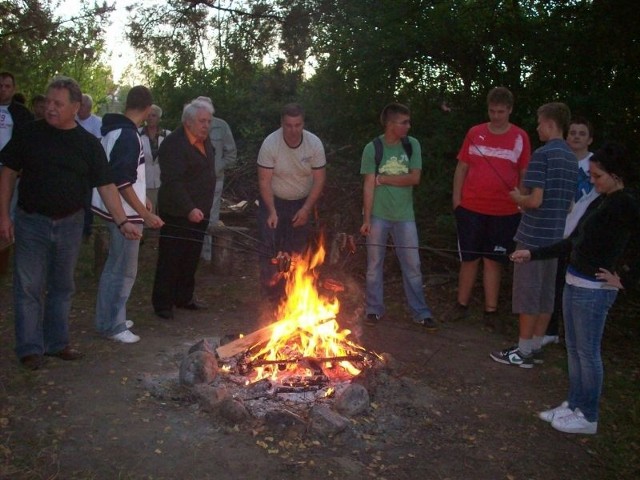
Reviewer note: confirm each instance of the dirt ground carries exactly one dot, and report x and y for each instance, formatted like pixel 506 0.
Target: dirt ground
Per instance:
pixel 92 419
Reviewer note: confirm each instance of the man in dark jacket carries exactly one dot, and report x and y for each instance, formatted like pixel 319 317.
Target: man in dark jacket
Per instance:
pixel 123 146
pixel 188 178
pixel 13 116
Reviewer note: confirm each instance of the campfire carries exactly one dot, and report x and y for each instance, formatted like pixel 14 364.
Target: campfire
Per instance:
pixel 305 349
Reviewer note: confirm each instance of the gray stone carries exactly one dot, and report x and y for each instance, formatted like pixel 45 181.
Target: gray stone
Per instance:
pixel 203 345
pixel 233 411
pixel 283 420
pixel 198 367
pixel 391 363
pixel 352 401
pixel 209 397
pixel 325 421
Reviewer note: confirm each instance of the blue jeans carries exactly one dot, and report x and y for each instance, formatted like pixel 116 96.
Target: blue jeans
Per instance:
pixel 405 236
pixel 117 279
pixel 585 312
pixel 46 253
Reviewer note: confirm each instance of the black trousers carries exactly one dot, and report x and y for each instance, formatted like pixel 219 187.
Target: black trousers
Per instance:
pixel 178 256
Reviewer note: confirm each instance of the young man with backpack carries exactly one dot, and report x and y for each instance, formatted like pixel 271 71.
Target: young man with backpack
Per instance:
pixel 391 165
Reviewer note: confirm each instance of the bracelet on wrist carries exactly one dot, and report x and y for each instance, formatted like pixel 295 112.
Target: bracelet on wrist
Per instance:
pixel 124 222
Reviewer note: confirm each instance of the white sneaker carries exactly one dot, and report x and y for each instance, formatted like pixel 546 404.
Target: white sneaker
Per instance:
pixel 575 423
pixel 125 337
pixel 547 339
pixel 128 324
pixel 560 411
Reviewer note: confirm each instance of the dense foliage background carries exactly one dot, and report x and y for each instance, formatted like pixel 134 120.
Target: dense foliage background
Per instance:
pixel 344 60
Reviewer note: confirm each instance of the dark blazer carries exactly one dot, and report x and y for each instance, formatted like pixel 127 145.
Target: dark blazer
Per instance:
pixel 187 176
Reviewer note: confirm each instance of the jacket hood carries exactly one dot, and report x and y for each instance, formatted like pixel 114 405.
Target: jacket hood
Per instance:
pixel 115 121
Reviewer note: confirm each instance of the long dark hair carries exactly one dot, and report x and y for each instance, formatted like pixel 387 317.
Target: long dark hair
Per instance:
pixel 614 159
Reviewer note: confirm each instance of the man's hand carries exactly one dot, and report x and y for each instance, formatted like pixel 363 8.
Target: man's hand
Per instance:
pixel 365 229
pixel 6 229
pixel 520 256
pixel 130 231
pixel 272 220
pixel 300 218
pixel 153 221
pixel 195 215
pixel 517 196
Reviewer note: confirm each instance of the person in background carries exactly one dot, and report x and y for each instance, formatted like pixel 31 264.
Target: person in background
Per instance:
pixel 152 137
pixel 123 146
pixel 38 106
pixel 60 163
pixel 388 210
pixel 92 124
pixel 491 162
pixel 225 148
pixel 13 116
pixel 291 177
pixel 579 138
pixel 551 184
pixel 593 280
pixel 19 97
pixel 187 169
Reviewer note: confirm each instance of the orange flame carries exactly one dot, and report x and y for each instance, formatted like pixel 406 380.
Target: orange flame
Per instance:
pixel 307 325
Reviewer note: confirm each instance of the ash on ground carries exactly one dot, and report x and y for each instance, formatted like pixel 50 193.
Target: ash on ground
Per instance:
pixel 378 403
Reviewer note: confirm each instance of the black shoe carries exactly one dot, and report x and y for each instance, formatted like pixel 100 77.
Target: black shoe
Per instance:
pixel 194 305
pixel 67 353
pixel 428 323
pixel 166 314
pixel 372 319
pixel 32 362
pixel 458 312
pixel 489 317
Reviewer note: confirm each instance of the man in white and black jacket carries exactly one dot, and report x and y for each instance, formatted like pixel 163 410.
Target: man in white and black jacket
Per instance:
pixel 123 146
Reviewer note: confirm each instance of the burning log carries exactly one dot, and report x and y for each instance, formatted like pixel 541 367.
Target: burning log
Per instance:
pixel 243 344
pixel 307 340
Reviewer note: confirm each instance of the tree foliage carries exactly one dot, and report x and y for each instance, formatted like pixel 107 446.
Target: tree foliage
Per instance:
pixel 37 45
pixel 344 60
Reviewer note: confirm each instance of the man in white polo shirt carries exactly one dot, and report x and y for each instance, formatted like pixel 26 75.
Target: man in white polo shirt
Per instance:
pixel 291 176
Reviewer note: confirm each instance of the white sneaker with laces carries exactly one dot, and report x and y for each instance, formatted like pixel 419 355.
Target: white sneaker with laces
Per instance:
pixel 548 339
pixel 575 422
pixel 128 324
pixel 125 336
pixel 560 411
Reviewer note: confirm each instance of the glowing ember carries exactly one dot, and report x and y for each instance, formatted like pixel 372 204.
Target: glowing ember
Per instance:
pixel 307 334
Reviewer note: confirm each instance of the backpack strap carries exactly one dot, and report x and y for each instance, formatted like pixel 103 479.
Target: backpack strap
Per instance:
pixel 408 148
pixel 378 148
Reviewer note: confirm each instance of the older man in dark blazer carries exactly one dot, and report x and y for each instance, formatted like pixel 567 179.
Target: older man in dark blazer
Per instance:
pixel 187 166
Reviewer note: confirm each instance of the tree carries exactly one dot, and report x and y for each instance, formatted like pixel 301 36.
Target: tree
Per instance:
pixel 37 45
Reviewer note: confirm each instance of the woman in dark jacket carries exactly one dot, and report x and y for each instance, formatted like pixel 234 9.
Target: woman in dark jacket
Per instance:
pixel 592 284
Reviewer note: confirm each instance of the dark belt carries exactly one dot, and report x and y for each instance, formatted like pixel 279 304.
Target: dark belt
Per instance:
pixel 54 216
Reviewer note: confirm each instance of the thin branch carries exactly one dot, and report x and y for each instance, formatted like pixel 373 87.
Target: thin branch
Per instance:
pixel 211 4
pixel 98 11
